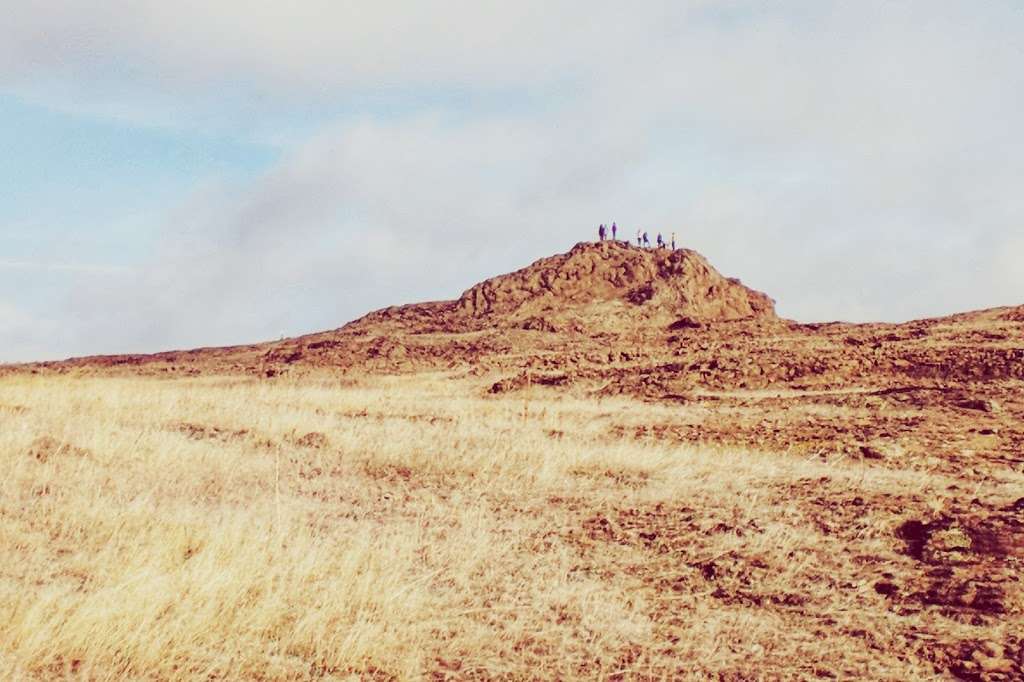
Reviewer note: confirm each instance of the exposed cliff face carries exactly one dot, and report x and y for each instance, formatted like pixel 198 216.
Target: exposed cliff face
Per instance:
pixel 653 284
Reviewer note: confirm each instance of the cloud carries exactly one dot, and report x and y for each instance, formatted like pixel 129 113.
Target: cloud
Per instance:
pixel 855 160
pixel 24 336
pixel 1006 272
pixel 77 268
pixel 319 42
pixel 360 217
pixel 233 64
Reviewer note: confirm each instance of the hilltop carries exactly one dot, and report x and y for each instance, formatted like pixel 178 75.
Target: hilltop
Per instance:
pixel 593 288
pixel 612 282
pixel 594 291
pixel 622 319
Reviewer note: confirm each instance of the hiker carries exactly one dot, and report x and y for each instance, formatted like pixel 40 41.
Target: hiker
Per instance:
pixel 600 232
pixel 673 241
pixel 615 231
pixel 647 242
pixel 638 236
pixel 661 242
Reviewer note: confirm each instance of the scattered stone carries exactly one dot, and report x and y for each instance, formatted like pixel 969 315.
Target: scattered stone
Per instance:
pixel 685 323
pixel 523 380
pixel 974 595
pixel 539 324
pixel 45 447
pixel 869 452
pixel 314 439
pixel 203 432
pixel 505 385
pixel 641 295
pixel 979 405
pixel 886 588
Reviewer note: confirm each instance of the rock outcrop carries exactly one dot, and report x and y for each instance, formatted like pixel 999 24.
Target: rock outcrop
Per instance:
pixel 609 282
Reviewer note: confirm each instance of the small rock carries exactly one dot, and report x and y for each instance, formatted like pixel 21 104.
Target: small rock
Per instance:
pixel 886 588
pixel 869 452
pixel 685 323
pixel 314 439
pixel 979 405
pixel 43 447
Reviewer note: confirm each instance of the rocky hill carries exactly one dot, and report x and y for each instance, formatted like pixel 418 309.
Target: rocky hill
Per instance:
pixel 606 287
pixel 612 282
pixel 619 319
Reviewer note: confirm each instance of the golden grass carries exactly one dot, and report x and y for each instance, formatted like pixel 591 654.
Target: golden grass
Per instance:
pixel 221 528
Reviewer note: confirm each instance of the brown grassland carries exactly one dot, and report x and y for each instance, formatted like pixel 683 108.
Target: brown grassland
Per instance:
pixel 414 526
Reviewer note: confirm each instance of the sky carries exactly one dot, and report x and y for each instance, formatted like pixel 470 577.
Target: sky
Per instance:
pixel 186 174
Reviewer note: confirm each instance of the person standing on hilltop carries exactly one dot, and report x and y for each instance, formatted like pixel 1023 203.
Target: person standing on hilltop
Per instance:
pixel 638 236
pixel 661 241
pixel 647 242
pixel 615 231
pixel 673 241
pixel 600 232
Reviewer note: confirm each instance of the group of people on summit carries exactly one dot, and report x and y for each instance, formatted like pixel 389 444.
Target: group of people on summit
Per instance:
pixel 642 240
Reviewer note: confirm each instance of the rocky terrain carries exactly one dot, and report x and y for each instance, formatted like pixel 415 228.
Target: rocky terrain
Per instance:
pixel 610 319
pixel 944 397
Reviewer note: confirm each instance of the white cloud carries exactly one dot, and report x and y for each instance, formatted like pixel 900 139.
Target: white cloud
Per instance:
pixel 24 336
pixel 78 268
pixel 855 160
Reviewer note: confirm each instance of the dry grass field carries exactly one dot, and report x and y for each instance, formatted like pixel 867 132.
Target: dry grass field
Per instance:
pixel 411 527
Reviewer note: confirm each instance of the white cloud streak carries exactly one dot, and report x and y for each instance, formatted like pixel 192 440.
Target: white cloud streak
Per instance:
pixel 75 268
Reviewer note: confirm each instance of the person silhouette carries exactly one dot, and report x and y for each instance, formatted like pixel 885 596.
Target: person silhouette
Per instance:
pixel 673 241
pixel 615 231
pixel 647 242
pixel 661 242
pixel 600 232
pixel 638 236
